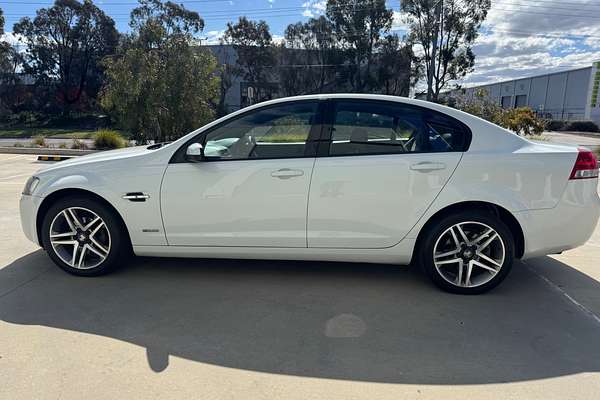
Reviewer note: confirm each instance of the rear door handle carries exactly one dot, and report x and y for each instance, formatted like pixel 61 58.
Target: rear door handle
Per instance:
pixel 286 173
pixel 427 166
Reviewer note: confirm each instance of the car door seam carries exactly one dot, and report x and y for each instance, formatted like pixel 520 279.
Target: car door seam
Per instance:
pixel 434 199
pixel 312 171
pixel 160 199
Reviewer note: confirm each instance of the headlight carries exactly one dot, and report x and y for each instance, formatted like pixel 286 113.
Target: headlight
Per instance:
pixel 31 185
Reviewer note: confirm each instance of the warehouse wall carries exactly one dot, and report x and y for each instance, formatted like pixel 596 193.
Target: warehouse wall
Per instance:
pixel 562 95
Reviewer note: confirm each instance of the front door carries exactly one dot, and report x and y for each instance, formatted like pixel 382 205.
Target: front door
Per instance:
pixel 387 163
pixel 252 188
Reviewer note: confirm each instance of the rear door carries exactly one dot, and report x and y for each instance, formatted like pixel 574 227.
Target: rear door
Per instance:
pixel 384 164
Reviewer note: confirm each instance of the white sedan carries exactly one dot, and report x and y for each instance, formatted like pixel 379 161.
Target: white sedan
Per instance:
pixel 359 178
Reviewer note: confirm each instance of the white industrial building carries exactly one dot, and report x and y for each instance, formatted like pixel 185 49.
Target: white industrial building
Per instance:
pixel 566 95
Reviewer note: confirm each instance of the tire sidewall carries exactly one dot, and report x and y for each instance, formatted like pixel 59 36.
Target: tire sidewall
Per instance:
pixel 112 223
pixel 442 225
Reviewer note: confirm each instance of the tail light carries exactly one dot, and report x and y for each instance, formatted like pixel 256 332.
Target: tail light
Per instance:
pixel 586 165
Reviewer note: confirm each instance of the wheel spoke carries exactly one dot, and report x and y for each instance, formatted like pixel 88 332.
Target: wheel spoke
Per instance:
pixel 456 241
pixel 74 218
pixel 462 233
pixel 487 242
pixel 60 235
pixel 67 218
pixel 98 245
pixel 489 259
pixel 97 252
pixel 64 242
pixel 82 256
pixel 96 229
pixel 481 237
pixel 446 254
pixel 74 254
pixel 469 271
pixel 89 225
pixel 461 267
pixel 451 261
pixel 482 265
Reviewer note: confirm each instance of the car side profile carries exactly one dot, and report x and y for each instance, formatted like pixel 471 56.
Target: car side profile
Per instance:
pixel 344 177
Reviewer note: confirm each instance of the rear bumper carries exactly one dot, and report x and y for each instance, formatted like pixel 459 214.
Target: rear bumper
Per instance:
pixel 28 208
pixel 566 226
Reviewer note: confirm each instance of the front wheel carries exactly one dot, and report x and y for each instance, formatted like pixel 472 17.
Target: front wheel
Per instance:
pixel 83 236
pixel 468 253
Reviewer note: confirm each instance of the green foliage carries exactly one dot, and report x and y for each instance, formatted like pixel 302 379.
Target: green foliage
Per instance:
pixel 65 44
pixel 554 125
pixel 39 140
pixel 358 31
pixel 79 145
pixel 581 126
pixel 253 44
pixel 108 139
pixel 522 121
pixel 576 126
pixel 159 86
pixel 307 55
pixel 445 31
pixel 62 145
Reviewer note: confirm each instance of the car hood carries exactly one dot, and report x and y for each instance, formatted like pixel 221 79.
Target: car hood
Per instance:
pixel 98 157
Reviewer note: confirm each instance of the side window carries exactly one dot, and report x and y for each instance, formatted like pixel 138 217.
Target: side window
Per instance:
pixel 273 132
pixel 362 128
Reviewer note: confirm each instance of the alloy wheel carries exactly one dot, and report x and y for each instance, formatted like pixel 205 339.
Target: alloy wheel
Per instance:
pixel 469 254
pixel 80 238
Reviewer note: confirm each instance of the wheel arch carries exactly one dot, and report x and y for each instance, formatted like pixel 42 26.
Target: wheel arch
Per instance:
pixel 505 216
pixel 62 193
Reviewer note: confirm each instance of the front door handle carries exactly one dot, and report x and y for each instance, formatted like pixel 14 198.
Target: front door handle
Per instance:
pixel 425 166
pixel 286 173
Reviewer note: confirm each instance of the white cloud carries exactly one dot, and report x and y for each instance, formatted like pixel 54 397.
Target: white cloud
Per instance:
pixel 314 8
pixel 528 39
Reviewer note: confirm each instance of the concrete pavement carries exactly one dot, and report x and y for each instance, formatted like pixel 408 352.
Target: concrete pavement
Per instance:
pixel 213 329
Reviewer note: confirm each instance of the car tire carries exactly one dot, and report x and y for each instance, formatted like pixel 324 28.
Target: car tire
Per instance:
pixel 473 261
pixel 84 237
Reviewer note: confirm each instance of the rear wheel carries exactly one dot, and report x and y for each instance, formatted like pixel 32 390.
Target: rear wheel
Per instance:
pixel 468 253
pixel 83 236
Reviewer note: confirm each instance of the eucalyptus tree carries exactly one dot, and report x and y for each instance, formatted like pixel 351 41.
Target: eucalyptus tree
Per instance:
pixel 161 84
pixel 444 31
pixel 65 44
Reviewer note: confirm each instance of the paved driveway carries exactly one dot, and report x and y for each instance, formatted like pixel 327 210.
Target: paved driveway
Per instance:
pixel 209 329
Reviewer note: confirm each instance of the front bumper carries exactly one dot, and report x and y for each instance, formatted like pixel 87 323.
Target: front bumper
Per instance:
pixel 28 208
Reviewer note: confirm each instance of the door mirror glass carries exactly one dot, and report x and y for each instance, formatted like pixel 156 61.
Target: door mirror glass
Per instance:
pixel 194 152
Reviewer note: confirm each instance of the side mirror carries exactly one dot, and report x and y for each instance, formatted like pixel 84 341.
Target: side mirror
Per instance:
pixel 194 152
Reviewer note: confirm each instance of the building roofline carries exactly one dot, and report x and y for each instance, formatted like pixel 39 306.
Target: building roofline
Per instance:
pixel 525 77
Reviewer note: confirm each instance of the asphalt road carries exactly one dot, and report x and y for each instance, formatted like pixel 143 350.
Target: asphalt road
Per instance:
pixel 209 329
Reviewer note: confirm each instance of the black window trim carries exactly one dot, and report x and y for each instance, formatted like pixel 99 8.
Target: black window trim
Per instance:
pixel 329 120
pixel 312 142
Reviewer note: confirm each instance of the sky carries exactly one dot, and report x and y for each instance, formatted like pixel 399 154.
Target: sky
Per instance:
pixel 519 38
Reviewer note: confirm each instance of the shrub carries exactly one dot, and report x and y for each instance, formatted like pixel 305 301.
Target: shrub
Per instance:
pixel 39 140
pixel 554 125
pixel 581 126
pixel 106 139
pixel 18 144
pixel 62 145
pixel 79 145
pixel 521 120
